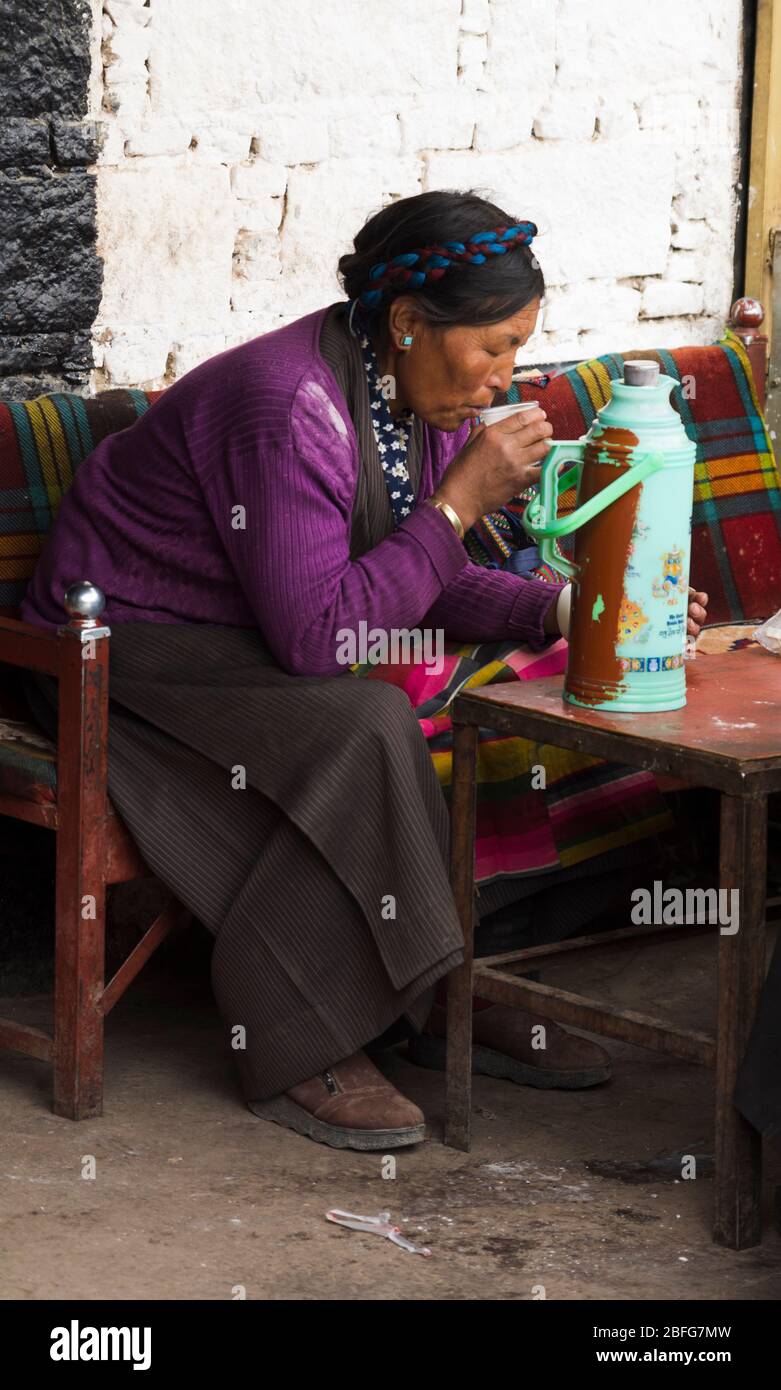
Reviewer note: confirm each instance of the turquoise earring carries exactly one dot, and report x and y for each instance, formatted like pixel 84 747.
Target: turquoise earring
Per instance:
pixel 407 340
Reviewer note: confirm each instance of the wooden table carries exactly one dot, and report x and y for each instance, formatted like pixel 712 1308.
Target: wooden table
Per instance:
pixel 727 737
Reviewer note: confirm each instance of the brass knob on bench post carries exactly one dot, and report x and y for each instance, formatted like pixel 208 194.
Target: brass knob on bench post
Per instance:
pixel 745 320
pixel 745 317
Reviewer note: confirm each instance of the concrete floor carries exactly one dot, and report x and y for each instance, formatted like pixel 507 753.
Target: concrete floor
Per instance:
pixel 194 1197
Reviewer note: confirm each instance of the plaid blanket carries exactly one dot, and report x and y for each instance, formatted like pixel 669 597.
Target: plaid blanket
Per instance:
pixel 736 524
pixel 42 443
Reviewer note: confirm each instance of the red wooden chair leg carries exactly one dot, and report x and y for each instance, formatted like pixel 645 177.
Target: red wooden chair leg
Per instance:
pixel 78 989
pixel 81 871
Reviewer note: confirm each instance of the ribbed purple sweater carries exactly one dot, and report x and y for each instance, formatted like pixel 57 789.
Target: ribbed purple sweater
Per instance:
pixel 152 519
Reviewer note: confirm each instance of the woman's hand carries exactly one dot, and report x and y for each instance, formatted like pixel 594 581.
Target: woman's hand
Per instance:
pixel 697 613
pixel 499 462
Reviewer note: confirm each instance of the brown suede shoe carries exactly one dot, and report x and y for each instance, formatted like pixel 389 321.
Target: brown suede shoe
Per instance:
pixel 349 1106
pixel 502 1047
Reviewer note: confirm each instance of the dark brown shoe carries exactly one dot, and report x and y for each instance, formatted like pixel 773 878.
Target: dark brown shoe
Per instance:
pixel 349 1106
pixel 502 1046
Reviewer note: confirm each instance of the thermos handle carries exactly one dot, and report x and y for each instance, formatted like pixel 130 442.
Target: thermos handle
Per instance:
pixel 546 503
pixel 535 519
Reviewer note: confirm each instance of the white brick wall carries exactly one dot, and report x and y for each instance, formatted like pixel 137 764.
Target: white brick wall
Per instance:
pixel 247 141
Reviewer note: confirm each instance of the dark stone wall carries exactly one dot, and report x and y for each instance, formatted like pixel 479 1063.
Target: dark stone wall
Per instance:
pixel 50 274
pixel 50 280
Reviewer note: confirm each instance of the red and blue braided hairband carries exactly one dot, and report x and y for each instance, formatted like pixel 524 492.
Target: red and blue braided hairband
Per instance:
pixel 431 262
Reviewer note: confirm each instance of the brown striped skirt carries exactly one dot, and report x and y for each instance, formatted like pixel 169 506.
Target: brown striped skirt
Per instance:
pixel 294 851
pixel 301 820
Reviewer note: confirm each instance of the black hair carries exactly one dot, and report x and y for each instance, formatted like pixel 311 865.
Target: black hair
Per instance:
pixel 466 294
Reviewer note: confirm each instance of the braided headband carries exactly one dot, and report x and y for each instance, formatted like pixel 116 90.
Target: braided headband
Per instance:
pixel 431 262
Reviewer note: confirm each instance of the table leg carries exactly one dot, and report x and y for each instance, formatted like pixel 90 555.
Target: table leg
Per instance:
pixel 458 1101
pixel 743 865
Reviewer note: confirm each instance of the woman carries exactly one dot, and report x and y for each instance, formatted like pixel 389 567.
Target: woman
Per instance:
pixel 272 500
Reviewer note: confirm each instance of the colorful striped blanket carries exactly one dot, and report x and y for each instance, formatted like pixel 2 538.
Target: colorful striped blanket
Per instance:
pixel 537 807
pixel 42 443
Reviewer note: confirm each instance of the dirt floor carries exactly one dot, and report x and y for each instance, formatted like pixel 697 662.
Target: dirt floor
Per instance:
pixel 564 1195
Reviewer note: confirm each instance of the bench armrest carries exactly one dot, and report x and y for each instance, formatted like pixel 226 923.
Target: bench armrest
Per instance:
pixel 77 656
pixel 32 649
pixel 24 645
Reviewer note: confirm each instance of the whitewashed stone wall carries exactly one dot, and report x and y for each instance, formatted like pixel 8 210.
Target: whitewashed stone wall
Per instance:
pixel 245 142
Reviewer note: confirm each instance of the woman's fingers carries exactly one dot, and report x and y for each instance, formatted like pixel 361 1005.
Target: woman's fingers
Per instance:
pixel 697 611
pixel 540 429
pixel 530 446
pixel 538 450
pixel 475 435
pixel 526 428
pixel 520 421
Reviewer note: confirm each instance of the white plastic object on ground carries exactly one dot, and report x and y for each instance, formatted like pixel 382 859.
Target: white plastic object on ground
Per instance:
pixel 769 634
pixel 379 1225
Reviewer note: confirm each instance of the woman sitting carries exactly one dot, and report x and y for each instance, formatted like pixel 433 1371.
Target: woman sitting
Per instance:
pixel 270 503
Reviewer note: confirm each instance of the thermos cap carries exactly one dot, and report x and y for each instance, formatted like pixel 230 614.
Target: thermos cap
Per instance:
pixel 641 373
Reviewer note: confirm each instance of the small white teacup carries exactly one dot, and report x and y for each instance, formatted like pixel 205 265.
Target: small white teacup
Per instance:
pixel 502 412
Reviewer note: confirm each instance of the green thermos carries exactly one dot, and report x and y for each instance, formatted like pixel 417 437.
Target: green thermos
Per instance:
pixel 634 472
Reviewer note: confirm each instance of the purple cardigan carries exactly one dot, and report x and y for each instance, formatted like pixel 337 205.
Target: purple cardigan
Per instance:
pixel 152 517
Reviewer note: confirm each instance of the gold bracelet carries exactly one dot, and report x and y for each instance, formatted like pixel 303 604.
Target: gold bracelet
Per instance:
pixel 452 516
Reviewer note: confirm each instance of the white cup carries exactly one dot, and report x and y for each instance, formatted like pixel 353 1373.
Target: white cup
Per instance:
pixel 503 412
